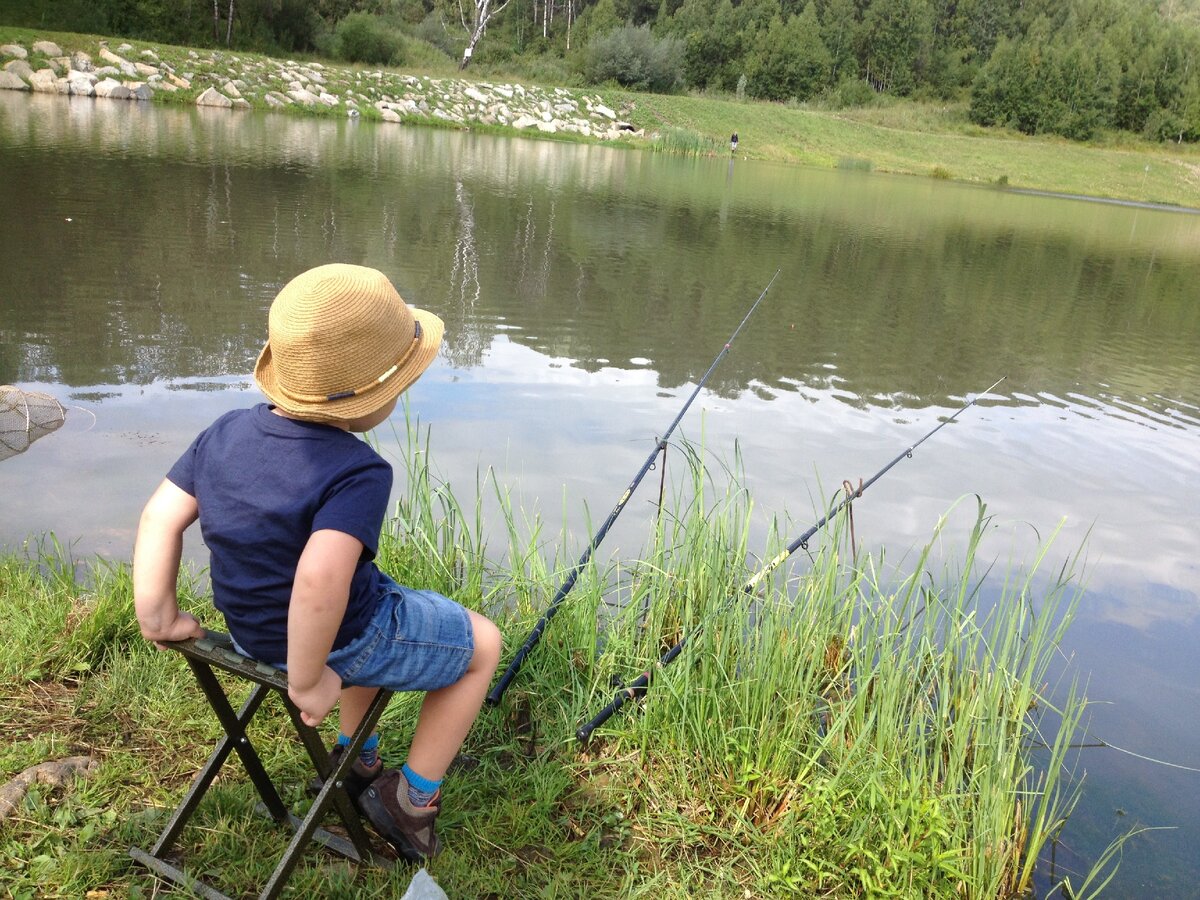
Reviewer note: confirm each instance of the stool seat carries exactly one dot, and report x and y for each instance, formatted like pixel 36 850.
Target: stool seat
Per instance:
pixel 215 651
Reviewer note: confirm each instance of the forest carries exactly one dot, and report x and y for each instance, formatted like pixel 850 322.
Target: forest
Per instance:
pixel 1075 68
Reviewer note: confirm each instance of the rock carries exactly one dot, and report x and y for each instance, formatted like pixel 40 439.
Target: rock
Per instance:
pixel 105 71
pixel 14 50
pixel 328 99
pixel 165 86
pixel 241 103
pixel 109 57
pixel 303 96
pixel 390 115
pixel 82 62
pixel 604 111
pixel 150 54
pixel 477 96
pixel 525 121
pixel 145 70
pixel 47 48
pixel 230 90
pixel 213 97
pixel 43 82
pixel 11 81
pixel 124 48
pixel 548 127
pixel 179 82
pixel 276 100
pixel 18 67
pixel 139 90
pixel 83 84
pixel 112 89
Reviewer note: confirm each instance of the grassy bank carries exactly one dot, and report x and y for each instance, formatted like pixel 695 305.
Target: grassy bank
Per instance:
pixel 852 731
pixel 901 137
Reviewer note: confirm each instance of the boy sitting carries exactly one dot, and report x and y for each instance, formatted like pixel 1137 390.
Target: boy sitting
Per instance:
pixel 291 505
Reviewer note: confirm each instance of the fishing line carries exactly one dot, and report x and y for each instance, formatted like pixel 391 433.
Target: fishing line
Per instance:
pixel 660 446
pixel 640 685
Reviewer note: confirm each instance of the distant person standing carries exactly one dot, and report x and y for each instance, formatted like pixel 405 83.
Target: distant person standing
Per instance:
pixel 733 142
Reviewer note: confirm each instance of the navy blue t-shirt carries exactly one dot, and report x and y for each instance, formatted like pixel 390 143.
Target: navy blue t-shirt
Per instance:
pixel 264 484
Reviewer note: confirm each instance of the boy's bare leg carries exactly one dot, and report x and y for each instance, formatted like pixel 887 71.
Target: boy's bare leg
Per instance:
pixel 447 713
pixel 353 706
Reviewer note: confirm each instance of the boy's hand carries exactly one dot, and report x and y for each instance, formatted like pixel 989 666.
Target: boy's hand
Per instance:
pixel 185 626
pixel 316 701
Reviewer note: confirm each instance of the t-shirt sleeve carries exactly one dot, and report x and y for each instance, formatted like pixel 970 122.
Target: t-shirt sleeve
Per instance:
pixel 357 503
pixel 183 473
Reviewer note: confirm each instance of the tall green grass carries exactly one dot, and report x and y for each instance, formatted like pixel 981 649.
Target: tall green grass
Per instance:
pixel 852 728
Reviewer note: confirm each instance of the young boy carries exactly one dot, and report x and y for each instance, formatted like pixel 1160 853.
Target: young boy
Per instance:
pixel 291 505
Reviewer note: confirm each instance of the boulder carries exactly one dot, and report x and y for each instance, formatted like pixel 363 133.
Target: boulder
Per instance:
pixel 145 70
pixel 477 96
pixel 47 48
pixel 525 121
pixel 83 84
pixel 213 97
pixel 18 67
pixel 15 50
pixel 603 110
pixel 139 90
pixel 277 100
pixel 112 89
pixel 390 115
pixel 303 96
pixel 43 82
pixel 230 90
pixel 11 81
pixel 81 62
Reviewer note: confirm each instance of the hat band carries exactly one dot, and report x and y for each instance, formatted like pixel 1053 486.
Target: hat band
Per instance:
pixel 356 392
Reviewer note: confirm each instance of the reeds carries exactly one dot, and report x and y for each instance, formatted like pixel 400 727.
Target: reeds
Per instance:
pixel 850 729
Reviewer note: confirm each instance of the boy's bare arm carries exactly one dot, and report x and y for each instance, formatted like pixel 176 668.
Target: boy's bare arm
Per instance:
pixel 156 556
pixel 318 603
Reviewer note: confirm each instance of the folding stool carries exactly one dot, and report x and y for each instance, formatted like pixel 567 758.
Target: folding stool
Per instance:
pixel 216 650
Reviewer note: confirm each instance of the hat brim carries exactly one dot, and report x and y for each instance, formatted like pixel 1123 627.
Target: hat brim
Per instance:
pixel 366 402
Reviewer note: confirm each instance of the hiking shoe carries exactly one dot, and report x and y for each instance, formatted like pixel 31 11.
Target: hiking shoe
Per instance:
pixel 408 828
pixel 356 780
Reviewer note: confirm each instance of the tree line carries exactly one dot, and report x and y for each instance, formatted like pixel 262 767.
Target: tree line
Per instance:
pixel 1067 67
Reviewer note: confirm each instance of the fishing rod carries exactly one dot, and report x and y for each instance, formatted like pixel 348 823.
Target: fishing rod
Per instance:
pixel 493 698
pixel 638 687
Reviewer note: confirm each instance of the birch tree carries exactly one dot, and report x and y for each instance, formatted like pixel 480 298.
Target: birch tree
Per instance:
pixel 476 25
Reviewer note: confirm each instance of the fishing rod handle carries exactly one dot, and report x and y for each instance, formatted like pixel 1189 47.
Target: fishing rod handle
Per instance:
pixel 630 692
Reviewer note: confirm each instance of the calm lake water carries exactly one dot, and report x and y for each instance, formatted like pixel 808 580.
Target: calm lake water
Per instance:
pixel 585 291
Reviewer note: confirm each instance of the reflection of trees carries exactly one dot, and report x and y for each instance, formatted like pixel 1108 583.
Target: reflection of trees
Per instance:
pixel 464 343
pixel 174 256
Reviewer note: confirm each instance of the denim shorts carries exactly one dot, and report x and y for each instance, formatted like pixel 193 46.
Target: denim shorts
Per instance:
pixel 416 641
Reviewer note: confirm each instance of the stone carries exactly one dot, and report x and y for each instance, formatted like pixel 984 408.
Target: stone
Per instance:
pixel 11 81
pixel 241 103
pixel 604 111
pixel 328 99
pixel 230 90
pixel 113 90
pixel 390 115
pixel 14 50
pixel 213 97
pixel 276 100
pixel 43 82
pixel 548 127
pixel 149 54
pixel 18 67
pixel 139 90
pixel 145 70
pixel 109 57
pixel 165 86
pixel 477 96
pixel 303 96
pixel 47 48
pixel 106 71
pixel 83 84
pixel 124 48
pixel 525 121
pixel 180 82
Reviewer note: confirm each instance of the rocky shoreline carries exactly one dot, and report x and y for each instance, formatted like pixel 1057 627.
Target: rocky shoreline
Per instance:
pixel 235 81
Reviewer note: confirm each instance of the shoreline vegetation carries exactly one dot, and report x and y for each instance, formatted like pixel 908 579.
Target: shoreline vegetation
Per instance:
pixel 857 728
pixel 902 137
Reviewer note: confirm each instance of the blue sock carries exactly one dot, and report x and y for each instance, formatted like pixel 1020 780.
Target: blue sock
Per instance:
pixel 421 791
pixel 369 755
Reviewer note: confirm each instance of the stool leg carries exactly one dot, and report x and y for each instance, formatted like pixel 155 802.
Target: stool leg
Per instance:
pixel 235 732
pixel 204 778
pixel 331 792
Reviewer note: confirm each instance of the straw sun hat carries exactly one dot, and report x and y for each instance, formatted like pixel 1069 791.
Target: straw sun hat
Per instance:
pixel 341 344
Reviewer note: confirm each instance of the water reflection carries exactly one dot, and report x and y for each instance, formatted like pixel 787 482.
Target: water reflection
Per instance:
pixel 585 290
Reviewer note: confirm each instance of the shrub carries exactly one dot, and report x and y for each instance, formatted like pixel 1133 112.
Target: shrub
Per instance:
pixel 434 31
pixel 364 38
pixel 633 58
